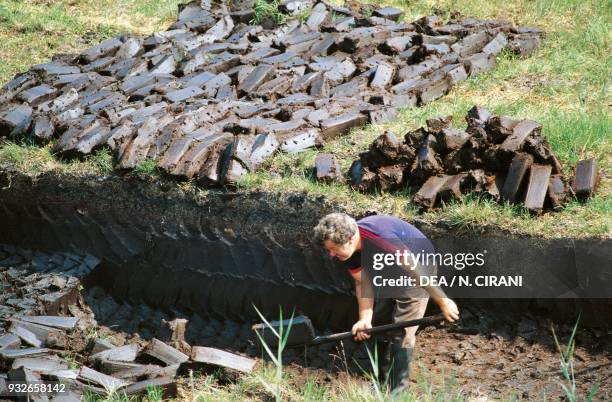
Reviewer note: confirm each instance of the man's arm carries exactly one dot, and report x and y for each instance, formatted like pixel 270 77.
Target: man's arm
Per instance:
pixel 447 306
pixel 366 309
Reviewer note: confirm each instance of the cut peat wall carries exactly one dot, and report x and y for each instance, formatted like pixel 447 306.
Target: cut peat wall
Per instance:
pixel 218 254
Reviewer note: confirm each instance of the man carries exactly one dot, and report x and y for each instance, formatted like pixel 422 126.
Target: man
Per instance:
pixel 345 239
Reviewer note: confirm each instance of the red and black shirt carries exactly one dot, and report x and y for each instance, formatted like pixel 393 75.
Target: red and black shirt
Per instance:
pixel 388 234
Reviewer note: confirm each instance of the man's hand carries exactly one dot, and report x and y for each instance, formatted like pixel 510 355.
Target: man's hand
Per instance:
pixel 449 309
pixel 358 327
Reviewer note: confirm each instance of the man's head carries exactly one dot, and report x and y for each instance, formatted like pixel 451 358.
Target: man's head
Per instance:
pixel 339 234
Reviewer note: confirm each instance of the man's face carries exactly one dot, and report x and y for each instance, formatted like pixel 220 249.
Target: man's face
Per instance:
pixel 341 251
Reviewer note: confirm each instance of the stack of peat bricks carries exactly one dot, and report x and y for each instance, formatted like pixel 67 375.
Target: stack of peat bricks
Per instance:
pixel 506 159
pixel 46 336
pixel 214 96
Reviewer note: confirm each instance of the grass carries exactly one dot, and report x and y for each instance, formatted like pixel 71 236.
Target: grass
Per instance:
pixel 566 361
pixel 153 394
pixel 146 167
pixel 97 333
pixel 26 156
pixel 29 157
pixel 268 9
pixel 282 335
pixel 429 387
pixel 272 380
pixel 380 386
pixel 564 85
pixel 103 160
pixel 33 31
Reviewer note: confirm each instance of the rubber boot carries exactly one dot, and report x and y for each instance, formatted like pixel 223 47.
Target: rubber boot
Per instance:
pixel 384 360
pixel 400 370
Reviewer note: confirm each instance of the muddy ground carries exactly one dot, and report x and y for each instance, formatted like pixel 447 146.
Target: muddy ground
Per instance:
pixel 499 361
pixel 493 365
pixel 504 359
pixel 487 356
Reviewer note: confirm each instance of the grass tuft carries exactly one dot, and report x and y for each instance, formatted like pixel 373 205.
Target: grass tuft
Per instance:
pixel 268 9
pixel 145 168
pixel 568 385
pixel 26 156
pixel 282 335
pixel 103 160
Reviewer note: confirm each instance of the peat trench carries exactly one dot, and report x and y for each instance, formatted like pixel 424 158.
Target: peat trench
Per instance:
pixel 209 257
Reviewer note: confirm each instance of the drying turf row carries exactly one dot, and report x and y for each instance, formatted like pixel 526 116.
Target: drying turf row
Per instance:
pixel 213 96
pixel 505 158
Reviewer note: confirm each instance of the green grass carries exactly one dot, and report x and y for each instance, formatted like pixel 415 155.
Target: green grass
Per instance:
pixel 265 9
pixel 103 160
pixel 146 167
pixel 28 157
pixel 153 394
pixel 310 386
pixel 33 31
pixel 567 360
pixel 564 85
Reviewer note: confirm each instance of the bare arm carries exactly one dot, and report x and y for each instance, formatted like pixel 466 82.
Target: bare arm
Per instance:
pixel 447 305
pixel 366 308
pixel 366 304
